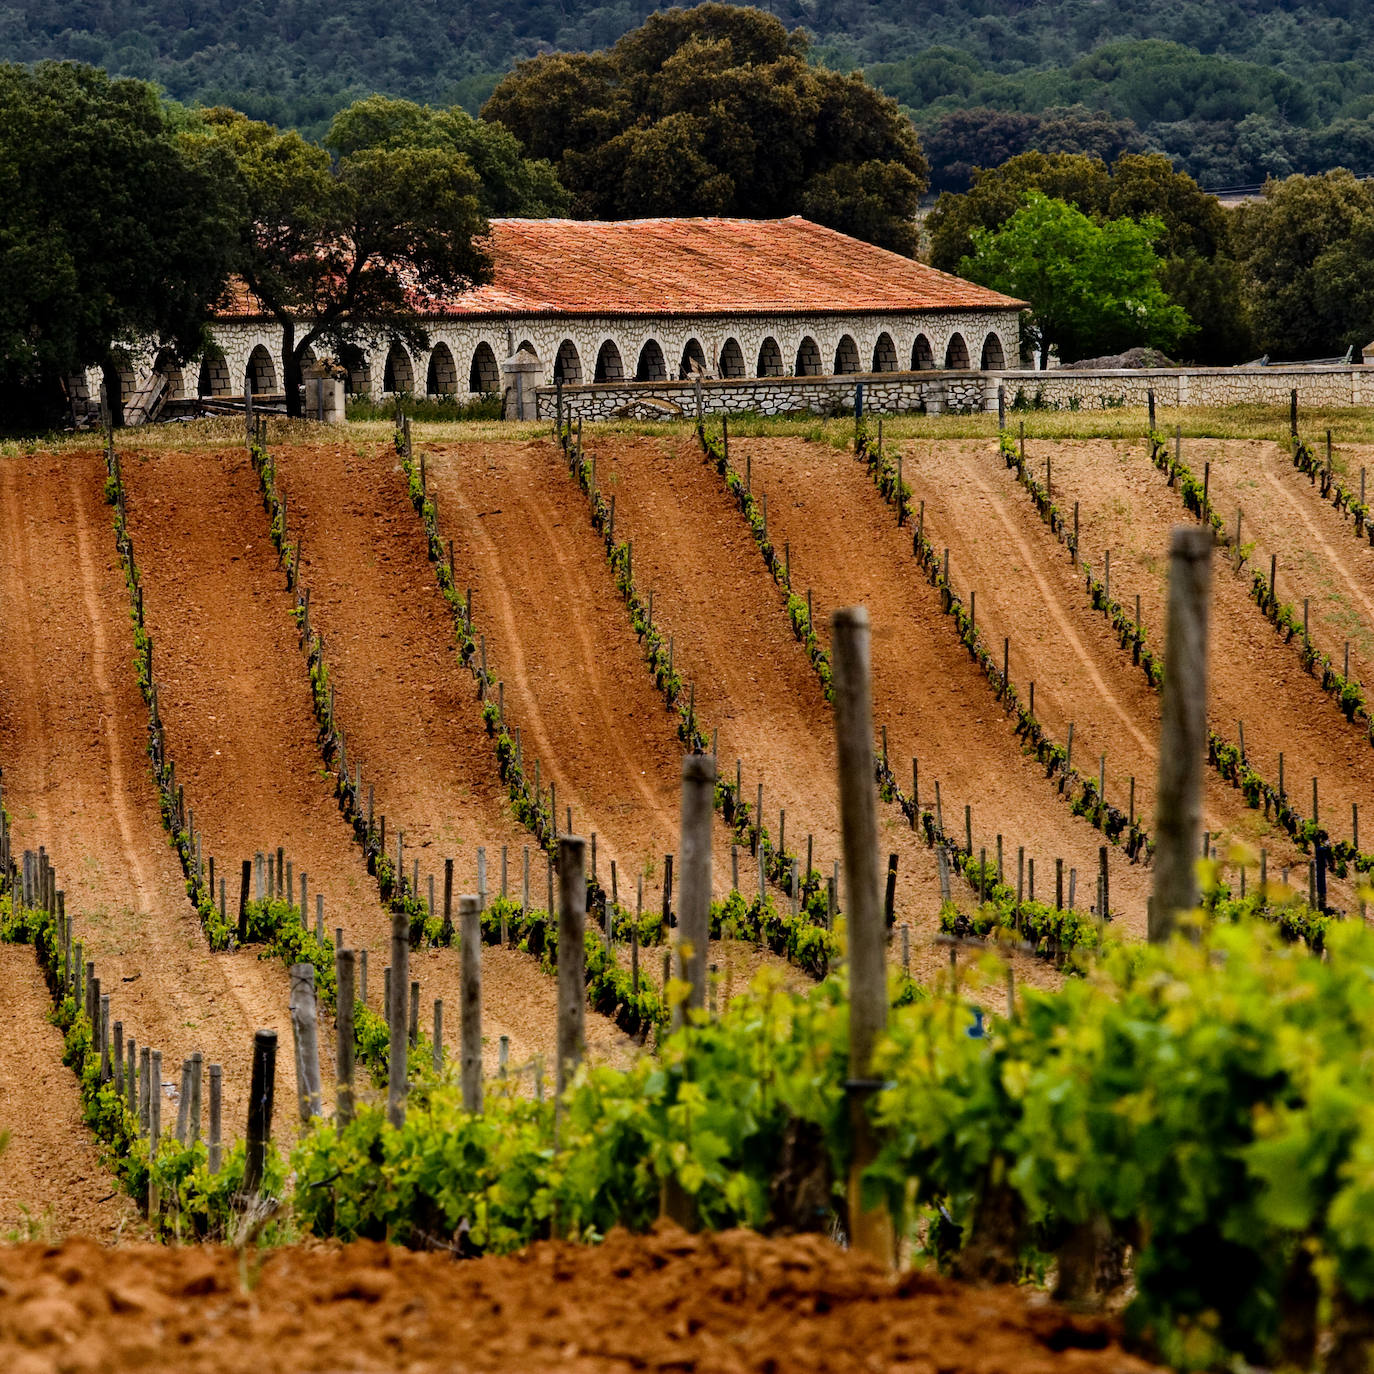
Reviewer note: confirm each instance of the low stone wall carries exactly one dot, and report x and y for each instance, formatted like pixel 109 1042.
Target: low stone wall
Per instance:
pixel 887 393
pixel 935 393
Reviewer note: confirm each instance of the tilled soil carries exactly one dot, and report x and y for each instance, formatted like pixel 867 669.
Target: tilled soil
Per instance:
pixel 1255 677
pixel 667 1301
pixel 1030 591
pixel 1284 513
pixel 753 680
pixel 52 1182
pixel 559 638
pixel 936 704
pixel 242 730
pixel 73 732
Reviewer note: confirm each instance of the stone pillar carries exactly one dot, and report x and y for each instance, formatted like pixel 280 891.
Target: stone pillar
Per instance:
pixel 324 400
pixel 521 374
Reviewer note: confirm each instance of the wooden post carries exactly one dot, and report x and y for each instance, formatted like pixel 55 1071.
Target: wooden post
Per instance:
pixel 216 1116
pixel 1293 412
pixel 243 900
pixel 1183 730
pixel 1104 908
pixel 968 830
pixel 870 1227
pixel 667 892
pixel 305 1033
pixel 572 919
pixel 1020 874
pixel 119 1057
pixel 413 1016
pixel 698 790
pixel 1150 400
pixel 154 1126
pixel 344 961
pixel 1059 884
pixel 260 1093
pixel 470 1003
pixel 437 1043
pixel 396 1018
pixel 145 1080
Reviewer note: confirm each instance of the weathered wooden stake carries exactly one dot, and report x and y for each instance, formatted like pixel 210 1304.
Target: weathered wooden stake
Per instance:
pixel 396 1018
pixel 215 1143
pixel 262 1086
pixel 305 1032
pixel 572 919
pixel 344 967
pixel 1183 730
pixel 698 790
pixel 470 1003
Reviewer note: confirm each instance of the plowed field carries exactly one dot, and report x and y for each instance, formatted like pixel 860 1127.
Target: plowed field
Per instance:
pixel 937 706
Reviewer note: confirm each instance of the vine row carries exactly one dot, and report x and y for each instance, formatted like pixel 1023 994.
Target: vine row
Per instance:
pixel 1331 489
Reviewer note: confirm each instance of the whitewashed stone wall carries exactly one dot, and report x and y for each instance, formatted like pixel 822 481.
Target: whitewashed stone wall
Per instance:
pixel 1336 385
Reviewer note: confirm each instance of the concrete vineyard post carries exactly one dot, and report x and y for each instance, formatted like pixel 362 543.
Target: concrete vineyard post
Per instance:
pixel 698 790
pixel 1183 730
pixel 216 1116
pixel 870 1227
pixel 572 919
pixel 263 1085
pixel 396 1018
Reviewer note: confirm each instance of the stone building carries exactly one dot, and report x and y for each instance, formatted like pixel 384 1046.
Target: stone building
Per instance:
pixel 655 300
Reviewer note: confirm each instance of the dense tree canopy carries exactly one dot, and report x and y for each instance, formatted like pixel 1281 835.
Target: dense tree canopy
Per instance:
pixel 1093 286
pixel 716 111
pixel 1305 250
pixel 344 244
pixel 1192 243
pixel 115 226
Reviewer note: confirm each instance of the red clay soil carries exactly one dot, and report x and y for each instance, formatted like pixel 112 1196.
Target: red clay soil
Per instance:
pixel 667 1301
pixel 558 635
pixel 240 725
pixel 52 1182
pixel 936 704
pixel 733 640
pixel 1028 589
pixel 73 732
pixel 1125 502
pixel 1319 557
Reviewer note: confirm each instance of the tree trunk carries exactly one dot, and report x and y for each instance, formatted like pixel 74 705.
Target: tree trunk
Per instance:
pixel 114 387
pixel 291 369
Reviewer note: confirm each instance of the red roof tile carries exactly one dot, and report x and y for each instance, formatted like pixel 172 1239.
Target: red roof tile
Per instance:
pixel 694 267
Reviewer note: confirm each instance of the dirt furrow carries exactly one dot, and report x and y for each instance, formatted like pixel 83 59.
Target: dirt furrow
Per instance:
pixel 411 717
pixel 936 704
pixel 72 743
pixel 1285 514
pixel 1029 590
pixel 733 641
pixel 1126 504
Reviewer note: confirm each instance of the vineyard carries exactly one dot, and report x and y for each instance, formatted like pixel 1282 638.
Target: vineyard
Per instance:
pixel 344 798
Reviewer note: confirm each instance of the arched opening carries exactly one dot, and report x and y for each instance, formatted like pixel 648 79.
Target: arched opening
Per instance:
pixel 308 359
pixel 398 375
pixel 956 354
pixel 884 354
pixel 261 373
pixel 213 379
pixel 567 366
pixel 527 347
pixel 441 377
pixel 994 359
pixel 846 356
pixel 358 368
pixel 693 362
pixel 770 359
pixel 808 359
pixel 731 359
pixel 651 366
pixel 484 375
pixel 922 355
pixel 609 367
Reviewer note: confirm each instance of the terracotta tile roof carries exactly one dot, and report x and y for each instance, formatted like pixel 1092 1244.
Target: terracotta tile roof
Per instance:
pixel 692 267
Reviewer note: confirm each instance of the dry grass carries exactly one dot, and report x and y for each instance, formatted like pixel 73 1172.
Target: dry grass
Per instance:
pixel 1347 424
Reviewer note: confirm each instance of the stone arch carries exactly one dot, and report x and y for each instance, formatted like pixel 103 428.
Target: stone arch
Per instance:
pixel 808 358
pixel 355 362
pixel 308 358
pixel 213 379
pixel 994 358
pixel 398 375
pixel 609 366
pixel 846 355
pixel 692 353
pixel 483 374
pixel 567 366
pixel 731 359
pixel 526 346
pixel 770 358
pixel 922 355
pixel 884 354
pixel 261 373
pixel 956 353
pixel 441 376
pixel 651 366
